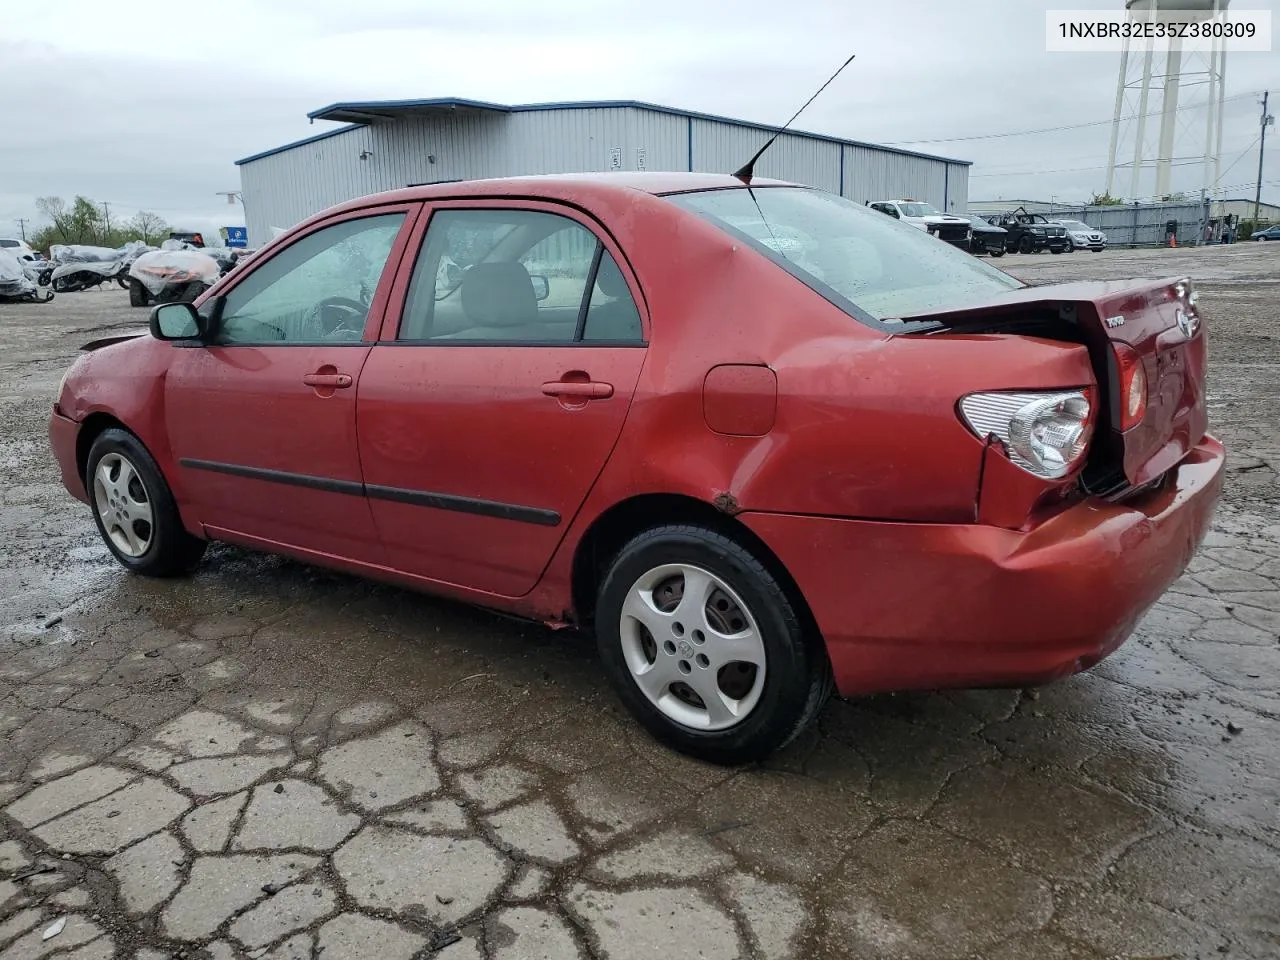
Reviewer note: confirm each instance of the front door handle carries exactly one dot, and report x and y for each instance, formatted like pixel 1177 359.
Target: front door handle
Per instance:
pixel 337 381
pixel 578 390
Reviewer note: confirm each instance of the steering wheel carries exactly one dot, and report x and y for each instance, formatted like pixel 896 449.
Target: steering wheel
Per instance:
pixel 340 318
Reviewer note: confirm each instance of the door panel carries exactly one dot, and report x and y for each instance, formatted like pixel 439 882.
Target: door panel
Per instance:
pixel 473 471
pixel 265 454
pixel 262 419
pixel 499 390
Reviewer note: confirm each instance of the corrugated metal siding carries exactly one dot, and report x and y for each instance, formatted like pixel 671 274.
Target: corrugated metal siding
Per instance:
pixel 280 190
pixel 283 188
pixel 465 146
pixel 958 195
pixel 566 141
pixel 723 148
pixel 871 174
pixel 663 137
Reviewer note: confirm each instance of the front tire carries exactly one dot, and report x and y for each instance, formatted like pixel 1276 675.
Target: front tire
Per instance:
pixel 134 509
pixel 705 648
pixel 137 293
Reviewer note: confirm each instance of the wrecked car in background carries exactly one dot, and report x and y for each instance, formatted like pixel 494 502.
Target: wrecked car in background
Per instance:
pixel 1031 232
pixel 81 266
pixel 164 276
pixel 16 283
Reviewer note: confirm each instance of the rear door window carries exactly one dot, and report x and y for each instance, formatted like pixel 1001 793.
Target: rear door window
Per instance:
pixel 493 276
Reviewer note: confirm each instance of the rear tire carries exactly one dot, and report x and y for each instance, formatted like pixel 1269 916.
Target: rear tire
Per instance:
pixel 138 296
pixel 743 698
pixel 998 251
pixel 1026 245
pixel 134 509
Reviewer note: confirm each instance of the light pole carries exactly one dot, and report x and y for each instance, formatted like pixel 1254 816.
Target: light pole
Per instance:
pixel 1267 120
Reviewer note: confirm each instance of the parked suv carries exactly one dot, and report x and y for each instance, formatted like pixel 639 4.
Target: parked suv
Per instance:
pixel 1081 236
pixel 945 226
pixel 1032 232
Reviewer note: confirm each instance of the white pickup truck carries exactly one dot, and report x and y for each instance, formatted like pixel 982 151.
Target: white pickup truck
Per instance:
pixel 927 217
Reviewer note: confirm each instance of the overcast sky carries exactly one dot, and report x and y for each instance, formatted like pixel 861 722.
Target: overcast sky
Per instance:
pixel 147 105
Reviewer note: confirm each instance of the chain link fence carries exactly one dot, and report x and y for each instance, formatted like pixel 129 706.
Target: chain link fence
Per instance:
pixel 1146 224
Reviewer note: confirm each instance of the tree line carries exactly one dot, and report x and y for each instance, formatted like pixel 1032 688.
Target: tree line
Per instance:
pixel 83 221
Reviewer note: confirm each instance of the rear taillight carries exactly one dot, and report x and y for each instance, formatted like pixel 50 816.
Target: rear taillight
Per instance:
pixel 1133 386
pixel 1046 434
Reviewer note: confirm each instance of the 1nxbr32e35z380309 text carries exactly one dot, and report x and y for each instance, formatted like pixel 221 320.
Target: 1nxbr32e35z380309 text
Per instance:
pixel 1084 31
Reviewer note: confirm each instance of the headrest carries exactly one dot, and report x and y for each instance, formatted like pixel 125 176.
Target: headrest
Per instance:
pixel 499 295
pixel 611 280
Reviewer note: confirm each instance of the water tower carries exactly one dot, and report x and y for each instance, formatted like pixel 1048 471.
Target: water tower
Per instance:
pixel 1187 98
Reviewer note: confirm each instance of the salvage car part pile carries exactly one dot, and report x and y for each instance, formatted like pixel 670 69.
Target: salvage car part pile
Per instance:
pixel 170 275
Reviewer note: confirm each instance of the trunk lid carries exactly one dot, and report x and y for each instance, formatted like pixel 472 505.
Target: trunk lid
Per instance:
pixel 1157 320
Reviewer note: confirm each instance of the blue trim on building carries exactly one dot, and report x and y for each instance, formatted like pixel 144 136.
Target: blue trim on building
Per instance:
pixel 335 111
pixel 299 143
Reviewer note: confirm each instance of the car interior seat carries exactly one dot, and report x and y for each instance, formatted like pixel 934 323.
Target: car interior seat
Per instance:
pixel 498 299
pixel 617 318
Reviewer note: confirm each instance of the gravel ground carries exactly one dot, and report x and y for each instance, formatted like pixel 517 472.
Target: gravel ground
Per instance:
pixel 271 760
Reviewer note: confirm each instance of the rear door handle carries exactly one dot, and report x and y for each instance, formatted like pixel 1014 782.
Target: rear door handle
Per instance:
pixel 578 390
pixel 339 381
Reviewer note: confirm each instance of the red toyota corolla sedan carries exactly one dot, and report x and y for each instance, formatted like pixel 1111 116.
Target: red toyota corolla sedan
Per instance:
pixel 762 440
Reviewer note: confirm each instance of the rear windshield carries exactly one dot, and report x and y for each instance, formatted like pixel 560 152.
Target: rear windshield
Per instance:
pixel 873 267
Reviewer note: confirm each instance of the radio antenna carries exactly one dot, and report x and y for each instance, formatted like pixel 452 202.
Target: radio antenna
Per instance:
pixel 748 169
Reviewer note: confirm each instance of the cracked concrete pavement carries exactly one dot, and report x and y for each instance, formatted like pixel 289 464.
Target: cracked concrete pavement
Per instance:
pixel 270 760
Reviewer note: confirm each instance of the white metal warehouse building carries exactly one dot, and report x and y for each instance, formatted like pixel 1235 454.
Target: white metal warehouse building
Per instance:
pixel 389 144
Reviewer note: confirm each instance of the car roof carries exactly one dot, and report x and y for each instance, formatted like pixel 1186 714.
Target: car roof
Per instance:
pixel 568 186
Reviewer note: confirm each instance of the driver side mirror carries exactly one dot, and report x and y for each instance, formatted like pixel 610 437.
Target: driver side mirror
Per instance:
pixel 177 321
pixel 541 287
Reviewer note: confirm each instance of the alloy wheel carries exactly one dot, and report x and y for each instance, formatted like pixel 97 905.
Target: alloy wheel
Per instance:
pixel 123 504
pixel 693 647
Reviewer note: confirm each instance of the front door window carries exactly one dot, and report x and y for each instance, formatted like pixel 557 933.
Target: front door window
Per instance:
pixel 318 290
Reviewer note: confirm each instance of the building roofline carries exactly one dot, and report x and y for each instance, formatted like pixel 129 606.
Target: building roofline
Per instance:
pixel 350 110
pixel 356 106
pixel 298 143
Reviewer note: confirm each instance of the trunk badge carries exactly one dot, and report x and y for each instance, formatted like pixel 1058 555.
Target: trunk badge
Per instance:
pixel 1113 322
